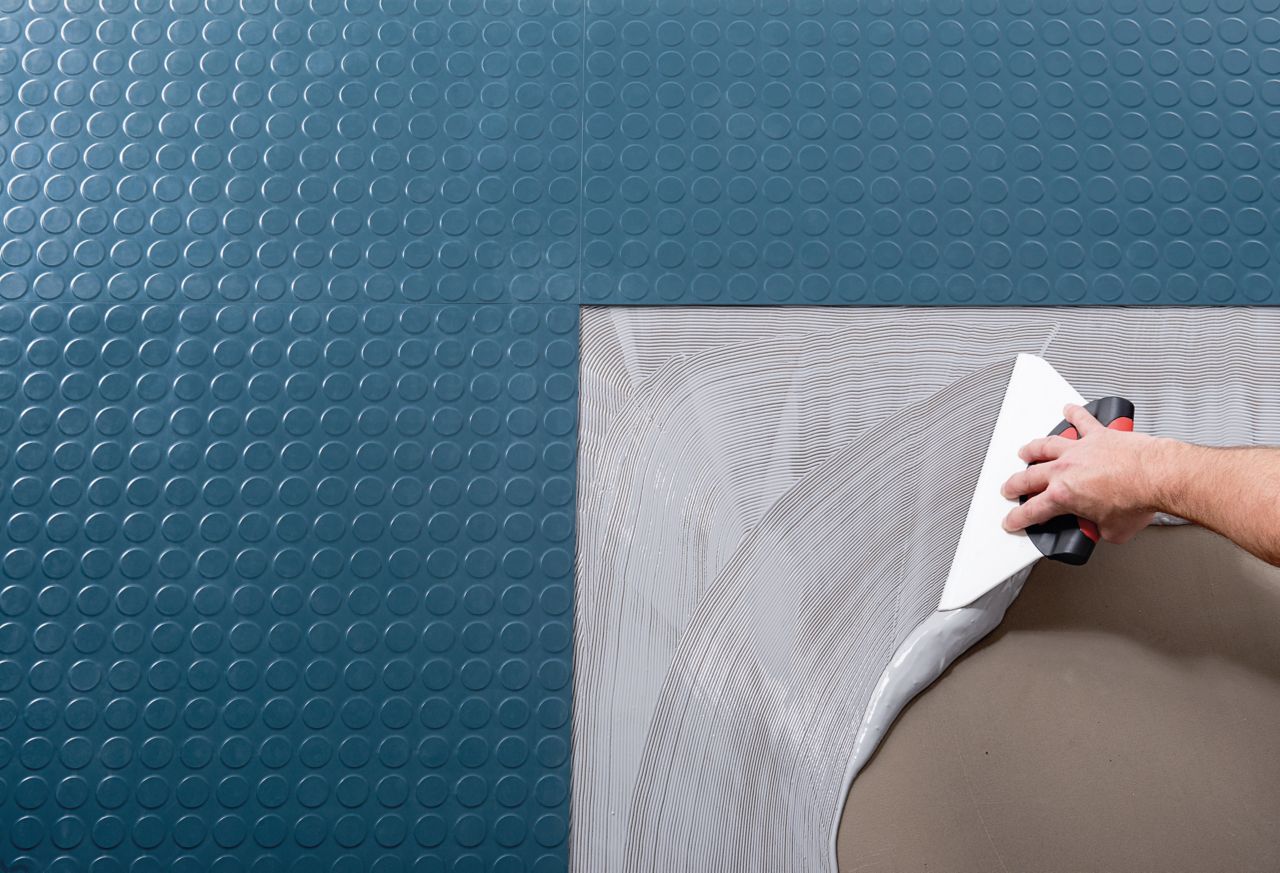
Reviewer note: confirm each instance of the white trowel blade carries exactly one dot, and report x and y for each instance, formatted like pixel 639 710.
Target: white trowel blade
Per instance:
pixel 987 554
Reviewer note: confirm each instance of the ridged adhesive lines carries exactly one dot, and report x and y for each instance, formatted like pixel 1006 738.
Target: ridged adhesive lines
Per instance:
pixel 773 673
pixel 1174 363
pixel 665 514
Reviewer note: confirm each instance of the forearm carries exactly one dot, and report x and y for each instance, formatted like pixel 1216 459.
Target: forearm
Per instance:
pixel 1234 492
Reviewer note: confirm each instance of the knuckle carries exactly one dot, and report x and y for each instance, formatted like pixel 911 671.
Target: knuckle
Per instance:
pixel 1057 492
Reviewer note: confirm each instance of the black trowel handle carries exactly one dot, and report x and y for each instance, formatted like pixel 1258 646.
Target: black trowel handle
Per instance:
pixel 1067 538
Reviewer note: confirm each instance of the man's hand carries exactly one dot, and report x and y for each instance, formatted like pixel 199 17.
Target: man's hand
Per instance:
pixel 1118 480
pixel 1102 476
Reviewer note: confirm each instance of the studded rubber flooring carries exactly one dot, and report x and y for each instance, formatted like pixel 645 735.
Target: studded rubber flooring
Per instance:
pixel 285 584
pixel 288 350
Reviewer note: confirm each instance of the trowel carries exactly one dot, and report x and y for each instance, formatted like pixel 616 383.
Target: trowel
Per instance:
pixel 986 553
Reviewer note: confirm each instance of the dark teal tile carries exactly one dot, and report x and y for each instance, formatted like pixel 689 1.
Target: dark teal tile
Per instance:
pixel 286 587
pixel 905 152
pixel 297 151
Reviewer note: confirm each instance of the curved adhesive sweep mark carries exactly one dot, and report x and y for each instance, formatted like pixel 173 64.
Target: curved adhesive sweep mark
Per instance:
pixel 651 382
pixel 774 672
pixel 685 444
pixel 921 658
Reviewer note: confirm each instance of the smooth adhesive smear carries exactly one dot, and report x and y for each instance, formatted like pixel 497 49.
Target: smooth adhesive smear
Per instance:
pixel 919 660
pixel 695 423
pixel 766 692
pixel 677 464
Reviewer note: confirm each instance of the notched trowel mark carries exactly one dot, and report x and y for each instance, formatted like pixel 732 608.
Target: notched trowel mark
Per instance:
pixel 1049 339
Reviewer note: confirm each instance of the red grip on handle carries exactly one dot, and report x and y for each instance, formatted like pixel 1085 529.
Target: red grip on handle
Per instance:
pixel 1069 538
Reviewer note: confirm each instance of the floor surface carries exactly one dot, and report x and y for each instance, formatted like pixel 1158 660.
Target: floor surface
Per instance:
pixel 1123 718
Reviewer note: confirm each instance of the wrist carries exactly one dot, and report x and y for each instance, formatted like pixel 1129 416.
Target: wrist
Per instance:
pixel 1160 465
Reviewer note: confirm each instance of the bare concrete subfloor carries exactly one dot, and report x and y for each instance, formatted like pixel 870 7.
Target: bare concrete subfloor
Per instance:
pixel 1124 717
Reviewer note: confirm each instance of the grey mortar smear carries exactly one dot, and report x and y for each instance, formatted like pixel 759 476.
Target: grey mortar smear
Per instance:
pixel 776 668
pixel 679 461
pixel 918 662
pixel 1194 373
pixel 921 659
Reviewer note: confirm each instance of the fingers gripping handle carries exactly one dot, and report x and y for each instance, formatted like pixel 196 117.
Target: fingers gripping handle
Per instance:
pixel 1067 538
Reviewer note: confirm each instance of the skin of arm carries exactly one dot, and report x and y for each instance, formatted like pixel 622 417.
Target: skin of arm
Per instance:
pixel 1120 480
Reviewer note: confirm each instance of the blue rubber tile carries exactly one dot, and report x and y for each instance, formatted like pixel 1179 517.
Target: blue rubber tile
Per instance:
pixel 903 151
pixel 286 587
pixel 292 150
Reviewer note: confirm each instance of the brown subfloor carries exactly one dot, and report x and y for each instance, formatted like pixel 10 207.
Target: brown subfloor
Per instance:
pixel 1124 717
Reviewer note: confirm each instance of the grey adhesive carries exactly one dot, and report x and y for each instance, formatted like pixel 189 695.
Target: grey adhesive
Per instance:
pixel 916 664
pixel 766 692
pixel 678 463
pixel 695 423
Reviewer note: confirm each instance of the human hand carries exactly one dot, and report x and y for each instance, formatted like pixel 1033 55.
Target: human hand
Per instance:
pixel 1102 476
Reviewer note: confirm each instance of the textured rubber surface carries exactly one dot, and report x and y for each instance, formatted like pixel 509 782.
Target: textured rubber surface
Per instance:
pixel 286 588
pixel 287 583
pixel 282 149
pixel 349 155
pixel 951 152
pixel 697 152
